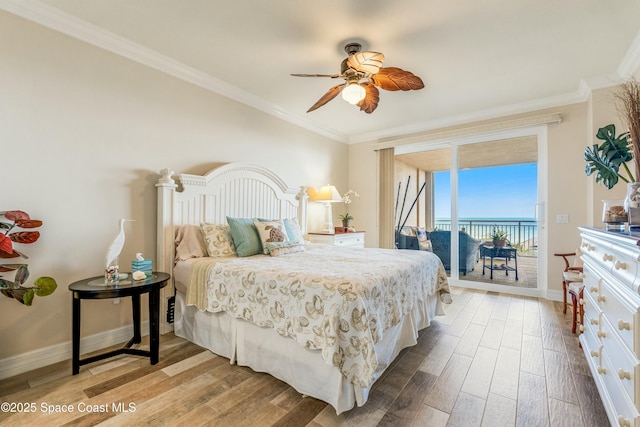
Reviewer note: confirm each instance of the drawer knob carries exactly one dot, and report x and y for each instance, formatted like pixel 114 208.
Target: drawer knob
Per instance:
pixel 620 265
pixel 601 298
pixel 602 371
pixel 594 353
pixel 624 325
pixel 594 321
pixel 582 328
pixel 607 257
pixel 593 289
pixel 623 422
pixel 602 334
pixel 624 375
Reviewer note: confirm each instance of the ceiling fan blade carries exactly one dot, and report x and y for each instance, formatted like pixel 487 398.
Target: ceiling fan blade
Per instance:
pixel 333 76
pixel 332 93
pixel 393 78
pixel 371 99
pixel 366 62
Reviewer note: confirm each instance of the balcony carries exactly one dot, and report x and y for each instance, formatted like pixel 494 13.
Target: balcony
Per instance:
pixel 522 234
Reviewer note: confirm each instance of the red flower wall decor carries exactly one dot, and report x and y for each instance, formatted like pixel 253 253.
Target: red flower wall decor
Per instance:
pixel 42 286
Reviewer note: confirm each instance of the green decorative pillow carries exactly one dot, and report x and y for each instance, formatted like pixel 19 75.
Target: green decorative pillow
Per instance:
pixel 271 231
pixel 245 236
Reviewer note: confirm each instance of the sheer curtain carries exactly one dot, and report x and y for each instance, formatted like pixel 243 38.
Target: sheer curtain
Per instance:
pixel 386 159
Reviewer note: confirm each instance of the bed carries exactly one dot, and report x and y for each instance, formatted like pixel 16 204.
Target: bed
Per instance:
pixel 326 320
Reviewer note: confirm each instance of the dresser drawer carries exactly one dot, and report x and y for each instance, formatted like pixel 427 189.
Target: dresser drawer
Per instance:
pixel 625 412
pixel 623 265
pixel 623 362
pixel 596 251
pixel 592 284
pixel 592 315
pixel 621 310
pixel 591 344
pixel 355 239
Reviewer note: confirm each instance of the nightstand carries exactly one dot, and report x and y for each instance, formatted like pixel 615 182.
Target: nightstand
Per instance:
pixel 354 240
pixel 95 288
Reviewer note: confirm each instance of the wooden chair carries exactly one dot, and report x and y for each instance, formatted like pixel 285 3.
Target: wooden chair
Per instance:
pixel 572 284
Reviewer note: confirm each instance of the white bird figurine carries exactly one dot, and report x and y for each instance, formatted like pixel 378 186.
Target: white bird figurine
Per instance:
pixel 118 243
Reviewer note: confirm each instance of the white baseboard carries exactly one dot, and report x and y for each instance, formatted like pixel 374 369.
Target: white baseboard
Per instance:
pixel 554 295
pixel 35 359
pixel 529 292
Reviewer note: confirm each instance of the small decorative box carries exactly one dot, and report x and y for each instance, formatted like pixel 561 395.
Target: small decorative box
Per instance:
pixel 144 265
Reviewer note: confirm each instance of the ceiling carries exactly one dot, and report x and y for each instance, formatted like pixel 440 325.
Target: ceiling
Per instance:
pixel 510 151
pixel 478 59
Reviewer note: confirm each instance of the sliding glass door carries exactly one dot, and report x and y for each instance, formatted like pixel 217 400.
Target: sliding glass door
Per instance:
pixel 484 187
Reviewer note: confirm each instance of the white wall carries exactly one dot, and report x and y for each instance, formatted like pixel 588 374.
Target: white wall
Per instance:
pixel 83 134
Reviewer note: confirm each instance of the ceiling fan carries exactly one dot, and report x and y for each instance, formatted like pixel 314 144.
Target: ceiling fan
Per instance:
pixel 362 72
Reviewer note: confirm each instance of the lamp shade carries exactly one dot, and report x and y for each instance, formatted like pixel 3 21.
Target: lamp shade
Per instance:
pixel 353 93
pixel 327 193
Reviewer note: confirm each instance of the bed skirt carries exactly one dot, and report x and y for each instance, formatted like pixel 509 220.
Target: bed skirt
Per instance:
pixel 263 350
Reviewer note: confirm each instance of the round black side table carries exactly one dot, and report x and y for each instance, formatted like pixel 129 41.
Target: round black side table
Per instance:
pixel 95 288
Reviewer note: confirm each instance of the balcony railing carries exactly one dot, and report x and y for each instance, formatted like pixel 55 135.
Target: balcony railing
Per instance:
pixel 522 234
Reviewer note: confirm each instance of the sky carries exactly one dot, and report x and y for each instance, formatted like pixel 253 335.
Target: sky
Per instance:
pixel 493 192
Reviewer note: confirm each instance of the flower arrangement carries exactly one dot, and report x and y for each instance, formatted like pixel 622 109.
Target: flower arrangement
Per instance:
pixel 42 286
pixel 347 200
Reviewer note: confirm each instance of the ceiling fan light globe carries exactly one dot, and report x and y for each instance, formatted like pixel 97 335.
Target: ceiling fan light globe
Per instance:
pixel 353 93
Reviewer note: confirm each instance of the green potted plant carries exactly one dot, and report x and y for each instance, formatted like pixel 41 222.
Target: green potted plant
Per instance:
pixel 42 286
pixel 346 219
pixel 498 237
pixel 606 159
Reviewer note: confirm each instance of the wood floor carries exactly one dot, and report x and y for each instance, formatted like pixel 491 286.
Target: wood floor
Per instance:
pixel 493 360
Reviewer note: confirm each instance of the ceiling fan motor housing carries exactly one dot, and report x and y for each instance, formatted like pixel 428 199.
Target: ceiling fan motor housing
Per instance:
pixel 352 48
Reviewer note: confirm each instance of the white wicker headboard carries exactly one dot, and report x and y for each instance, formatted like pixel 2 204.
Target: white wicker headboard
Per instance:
pixel 235 189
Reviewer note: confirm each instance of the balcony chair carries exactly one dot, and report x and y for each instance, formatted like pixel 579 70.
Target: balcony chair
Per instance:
pixel 573 285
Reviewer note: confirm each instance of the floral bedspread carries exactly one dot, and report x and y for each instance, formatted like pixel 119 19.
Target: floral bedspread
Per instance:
pixel 336 300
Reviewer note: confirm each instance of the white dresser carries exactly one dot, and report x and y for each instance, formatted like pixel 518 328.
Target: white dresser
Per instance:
pixel 355 240
pixel 611 338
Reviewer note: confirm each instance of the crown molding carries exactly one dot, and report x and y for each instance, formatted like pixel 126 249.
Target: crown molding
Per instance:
pixel 84 31
pixel 630 64
pixel 65 23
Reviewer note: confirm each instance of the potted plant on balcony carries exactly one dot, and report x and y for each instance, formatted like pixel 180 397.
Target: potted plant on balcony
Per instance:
pixel 42 286
pixel 498 238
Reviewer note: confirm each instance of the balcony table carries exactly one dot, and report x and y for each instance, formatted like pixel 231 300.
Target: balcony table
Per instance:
pixel 504 252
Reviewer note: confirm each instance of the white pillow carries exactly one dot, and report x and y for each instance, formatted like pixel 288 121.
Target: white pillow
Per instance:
pixel 293 230
pixel 218 240
pixel 271 232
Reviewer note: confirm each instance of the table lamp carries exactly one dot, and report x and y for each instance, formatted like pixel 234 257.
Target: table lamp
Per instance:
pixel 327 194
